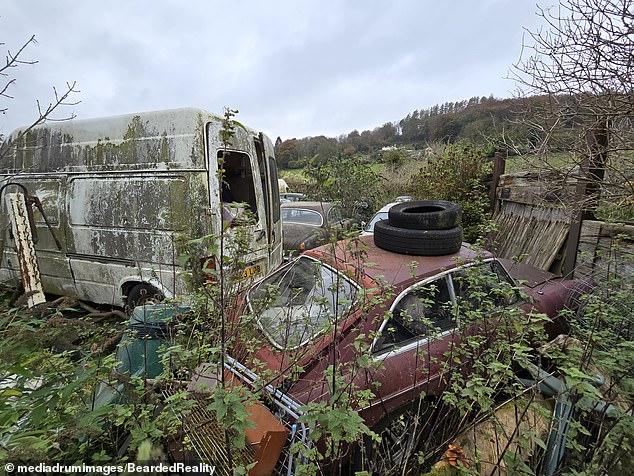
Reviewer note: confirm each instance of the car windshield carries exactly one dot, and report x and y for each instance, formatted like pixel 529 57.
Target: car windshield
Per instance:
pixel 302 215
pixel 378 217
pixel 300 301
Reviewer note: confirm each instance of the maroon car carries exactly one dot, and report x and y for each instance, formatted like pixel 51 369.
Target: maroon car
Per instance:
pixel 308 224
pixel 376 322
pixel 337 302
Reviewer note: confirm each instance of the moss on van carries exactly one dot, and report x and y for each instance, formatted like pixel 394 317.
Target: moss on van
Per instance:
pixel 164 147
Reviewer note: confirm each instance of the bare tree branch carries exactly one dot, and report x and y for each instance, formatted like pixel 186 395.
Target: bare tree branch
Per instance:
pixel 44 113
pixel 13 61
pixel 576 77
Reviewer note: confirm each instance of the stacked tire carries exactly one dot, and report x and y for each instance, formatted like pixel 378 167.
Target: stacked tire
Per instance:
pixel 421 228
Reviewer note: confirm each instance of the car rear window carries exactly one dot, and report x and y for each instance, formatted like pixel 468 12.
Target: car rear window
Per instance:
pixel 302 215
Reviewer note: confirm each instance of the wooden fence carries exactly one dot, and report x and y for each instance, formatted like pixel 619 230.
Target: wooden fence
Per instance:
pixel 533 223
pixel 605 247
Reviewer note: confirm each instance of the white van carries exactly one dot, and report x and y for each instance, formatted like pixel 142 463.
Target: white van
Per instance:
pixel 117 191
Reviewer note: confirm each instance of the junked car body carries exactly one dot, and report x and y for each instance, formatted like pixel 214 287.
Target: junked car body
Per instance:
pixel 118 191
pixel 308 224
pixel 292 197
pixel 382 214
pixel 326 305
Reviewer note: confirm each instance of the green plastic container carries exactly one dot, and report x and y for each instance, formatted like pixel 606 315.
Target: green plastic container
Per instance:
pixel 137 353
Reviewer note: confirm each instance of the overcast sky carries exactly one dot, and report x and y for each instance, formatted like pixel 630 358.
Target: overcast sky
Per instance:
pixel 292 68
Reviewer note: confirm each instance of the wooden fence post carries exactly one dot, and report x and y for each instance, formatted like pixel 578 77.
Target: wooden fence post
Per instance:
pixel 499 166
pixel 588 190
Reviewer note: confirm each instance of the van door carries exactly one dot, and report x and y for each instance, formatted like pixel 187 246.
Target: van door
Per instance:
pixel 239 196
pixel 270 187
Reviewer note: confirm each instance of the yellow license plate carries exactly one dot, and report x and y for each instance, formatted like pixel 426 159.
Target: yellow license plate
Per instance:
pixel 252 271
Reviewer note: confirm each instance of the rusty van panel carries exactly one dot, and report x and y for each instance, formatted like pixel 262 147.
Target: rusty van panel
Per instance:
pixel 131 202
pixel 133 217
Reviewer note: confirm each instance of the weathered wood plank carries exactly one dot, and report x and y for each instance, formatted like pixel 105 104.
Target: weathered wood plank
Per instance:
pixel 533 222
pixel 600 251
pixel 532 232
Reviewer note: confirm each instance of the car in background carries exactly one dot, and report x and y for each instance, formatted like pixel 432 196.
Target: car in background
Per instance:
pixel 378 216
pixel 308 224
pixel 292 197
pixel 382 214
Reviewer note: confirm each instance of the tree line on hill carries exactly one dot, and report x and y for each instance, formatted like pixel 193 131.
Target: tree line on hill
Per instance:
pixel 484 121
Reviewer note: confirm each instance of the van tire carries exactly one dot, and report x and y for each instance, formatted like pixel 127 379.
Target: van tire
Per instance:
pixel 417 242
pixel 142 294
pixel 425 215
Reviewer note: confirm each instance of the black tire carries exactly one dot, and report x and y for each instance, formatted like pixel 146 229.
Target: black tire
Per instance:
pixel 417 242
pixel 142 294
pixel 425 215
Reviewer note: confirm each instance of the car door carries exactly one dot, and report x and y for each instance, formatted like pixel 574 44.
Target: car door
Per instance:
pixel 418 343
pixel 414 344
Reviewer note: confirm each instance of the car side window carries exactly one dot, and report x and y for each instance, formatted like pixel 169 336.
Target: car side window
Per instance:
pixel 423 312
pixel 335 215
pixel 302 216
pixel 484 285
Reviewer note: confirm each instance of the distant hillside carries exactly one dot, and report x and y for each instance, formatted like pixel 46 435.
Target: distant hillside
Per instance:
pixel 481 120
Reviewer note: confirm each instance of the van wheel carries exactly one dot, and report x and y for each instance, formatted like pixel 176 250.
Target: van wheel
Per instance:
pixel 141 294
pixel 425 215
pixel 417 242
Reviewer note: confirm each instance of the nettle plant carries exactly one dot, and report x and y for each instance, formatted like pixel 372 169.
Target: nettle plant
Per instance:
pixel 496 340
pixel 517 403
pixel 490 335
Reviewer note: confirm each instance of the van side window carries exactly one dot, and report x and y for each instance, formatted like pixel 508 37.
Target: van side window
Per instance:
pixel 424 312
pixel 238 184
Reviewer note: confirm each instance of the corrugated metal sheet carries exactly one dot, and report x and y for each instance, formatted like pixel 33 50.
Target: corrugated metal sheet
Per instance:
pixel 206 440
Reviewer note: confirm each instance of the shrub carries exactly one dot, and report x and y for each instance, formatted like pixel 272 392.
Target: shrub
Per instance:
pixel 456 173
pixel 346 180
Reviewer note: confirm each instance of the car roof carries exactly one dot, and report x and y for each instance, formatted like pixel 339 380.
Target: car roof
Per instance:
pixel 387 207
pixel 389 267
pixel 309 205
